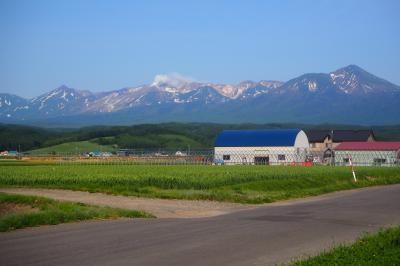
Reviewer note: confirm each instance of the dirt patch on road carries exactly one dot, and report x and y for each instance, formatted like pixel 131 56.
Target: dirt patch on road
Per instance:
pixel 161 208
pixel 10 208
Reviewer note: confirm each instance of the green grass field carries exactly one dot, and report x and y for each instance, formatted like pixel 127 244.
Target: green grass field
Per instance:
pixel 244 184
pixel 73 148
pixel 382 248
pixel 48 211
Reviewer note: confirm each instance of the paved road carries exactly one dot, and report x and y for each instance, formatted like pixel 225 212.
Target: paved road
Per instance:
pixel 263 236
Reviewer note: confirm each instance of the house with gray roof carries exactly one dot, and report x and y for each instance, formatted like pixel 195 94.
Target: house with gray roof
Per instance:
pixel 321 140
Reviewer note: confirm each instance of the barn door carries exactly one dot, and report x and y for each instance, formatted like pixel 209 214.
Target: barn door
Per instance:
pixel 261 160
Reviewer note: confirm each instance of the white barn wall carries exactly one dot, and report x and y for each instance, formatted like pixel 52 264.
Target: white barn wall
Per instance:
pixel 246 155
pixel 295 152
pixel 366 158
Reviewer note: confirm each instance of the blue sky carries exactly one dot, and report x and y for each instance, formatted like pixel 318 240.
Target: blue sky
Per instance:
pixel 107 45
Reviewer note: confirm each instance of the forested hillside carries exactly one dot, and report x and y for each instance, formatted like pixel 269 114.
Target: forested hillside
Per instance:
pixel 165 136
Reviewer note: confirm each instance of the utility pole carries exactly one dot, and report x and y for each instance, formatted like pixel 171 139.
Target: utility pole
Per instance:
pixel 352 167
pixel 332 152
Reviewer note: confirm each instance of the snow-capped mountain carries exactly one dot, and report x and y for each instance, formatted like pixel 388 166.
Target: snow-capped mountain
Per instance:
pixel 12 104
pixel 348 80
pixel 61 102
pixel 349 94
pixel 353 79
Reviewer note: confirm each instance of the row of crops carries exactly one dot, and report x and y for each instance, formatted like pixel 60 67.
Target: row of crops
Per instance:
pixel 240 183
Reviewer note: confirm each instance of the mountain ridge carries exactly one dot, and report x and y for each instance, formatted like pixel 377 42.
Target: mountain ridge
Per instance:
pixel 311 97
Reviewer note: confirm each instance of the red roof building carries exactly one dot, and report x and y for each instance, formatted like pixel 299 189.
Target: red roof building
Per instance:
pixel 385 153
pixel 369 146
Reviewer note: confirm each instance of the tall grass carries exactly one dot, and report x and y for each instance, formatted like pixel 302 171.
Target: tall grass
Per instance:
pixel 382 248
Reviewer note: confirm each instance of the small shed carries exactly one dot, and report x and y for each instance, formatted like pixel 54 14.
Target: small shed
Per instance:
pixel 262 146
pixel 386 153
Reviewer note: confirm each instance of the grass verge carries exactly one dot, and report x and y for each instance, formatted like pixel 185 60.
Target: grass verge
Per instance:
pixel 50 212
pixel 382 248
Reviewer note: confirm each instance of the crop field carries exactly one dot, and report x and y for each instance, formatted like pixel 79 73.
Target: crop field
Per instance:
pixel 245 184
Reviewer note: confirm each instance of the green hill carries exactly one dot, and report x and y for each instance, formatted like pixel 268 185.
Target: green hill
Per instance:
pixel 154 141
pixel 74 148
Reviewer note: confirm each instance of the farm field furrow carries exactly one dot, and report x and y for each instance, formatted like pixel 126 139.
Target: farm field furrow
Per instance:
pixel 244 184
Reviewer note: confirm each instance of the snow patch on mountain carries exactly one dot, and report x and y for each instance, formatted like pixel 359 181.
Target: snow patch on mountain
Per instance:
pixel 312 86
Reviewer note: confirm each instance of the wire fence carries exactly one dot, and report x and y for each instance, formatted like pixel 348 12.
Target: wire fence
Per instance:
pixel 127 156
pixel 222 156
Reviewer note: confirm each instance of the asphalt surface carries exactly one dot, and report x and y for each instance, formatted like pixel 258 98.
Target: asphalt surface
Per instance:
pixel 267 235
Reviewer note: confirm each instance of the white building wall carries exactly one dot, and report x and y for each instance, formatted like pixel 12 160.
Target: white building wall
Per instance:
pixel 301 140
pixel 367 158
pixel 247 155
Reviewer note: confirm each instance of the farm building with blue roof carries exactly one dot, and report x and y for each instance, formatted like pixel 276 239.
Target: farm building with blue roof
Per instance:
pixel 263 146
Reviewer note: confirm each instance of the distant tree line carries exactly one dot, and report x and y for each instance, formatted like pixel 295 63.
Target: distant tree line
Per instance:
pixel 165 135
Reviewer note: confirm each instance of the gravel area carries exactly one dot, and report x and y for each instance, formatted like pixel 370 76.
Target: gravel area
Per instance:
pixel 161 208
